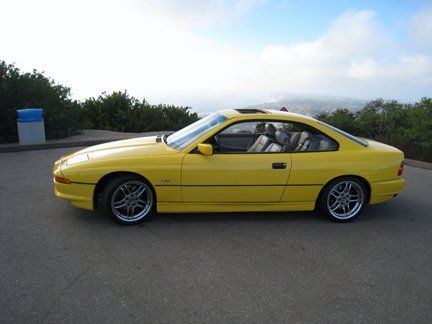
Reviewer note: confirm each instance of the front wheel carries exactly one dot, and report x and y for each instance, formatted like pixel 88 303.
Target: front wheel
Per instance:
pixel 128 199
pixel 343 199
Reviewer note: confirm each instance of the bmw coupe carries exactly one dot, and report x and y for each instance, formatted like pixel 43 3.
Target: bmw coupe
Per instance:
pixel 233 161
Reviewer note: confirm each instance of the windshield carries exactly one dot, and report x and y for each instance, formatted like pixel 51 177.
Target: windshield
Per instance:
pixel 351 137
pixel 185 136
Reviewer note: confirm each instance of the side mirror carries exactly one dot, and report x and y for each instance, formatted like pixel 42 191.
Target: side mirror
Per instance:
pixel 205 149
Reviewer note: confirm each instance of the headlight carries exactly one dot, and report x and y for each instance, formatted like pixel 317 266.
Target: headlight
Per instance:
pixel 77 159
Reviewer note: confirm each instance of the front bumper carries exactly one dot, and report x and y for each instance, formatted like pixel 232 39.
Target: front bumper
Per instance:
pixel 78 194
pixel 385 190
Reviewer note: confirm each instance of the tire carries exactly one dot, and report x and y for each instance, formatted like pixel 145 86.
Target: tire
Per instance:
pixel 343 199
pixel 129 199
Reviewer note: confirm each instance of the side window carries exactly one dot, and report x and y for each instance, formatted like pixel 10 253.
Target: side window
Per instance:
pixel 241 128
pixel 292 127
pixel 265 136
pixel 238 138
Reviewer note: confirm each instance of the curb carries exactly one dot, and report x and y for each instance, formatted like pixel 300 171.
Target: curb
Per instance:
pixel 91 137
pixel 418 164
pixel 46 146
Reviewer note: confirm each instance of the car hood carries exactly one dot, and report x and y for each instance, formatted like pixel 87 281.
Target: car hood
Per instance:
pixel 135 147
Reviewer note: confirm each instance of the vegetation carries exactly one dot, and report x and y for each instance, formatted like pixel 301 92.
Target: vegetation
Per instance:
pixel 65 117
pixel 20 90
pixel 120 112
pixel 406 126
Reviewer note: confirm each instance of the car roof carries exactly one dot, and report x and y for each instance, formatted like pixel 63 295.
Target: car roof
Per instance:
pixel 259 113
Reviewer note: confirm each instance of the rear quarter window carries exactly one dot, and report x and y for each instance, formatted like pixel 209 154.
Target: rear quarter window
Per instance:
pixel 348 135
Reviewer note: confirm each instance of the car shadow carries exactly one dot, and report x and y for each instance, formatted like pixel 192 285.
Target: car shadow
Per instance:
pixel 239 217
pixel 100 217
pixel 374 213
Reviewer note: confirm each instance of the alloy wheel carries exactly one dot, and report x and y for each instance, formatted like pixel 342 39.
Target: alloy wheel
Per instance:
pixel 132 201
pixel 345 200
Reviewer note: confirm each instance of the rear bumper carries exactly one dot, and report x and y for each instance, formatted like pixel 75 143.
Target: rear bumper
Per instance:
pixel 78 194
pixel 385 190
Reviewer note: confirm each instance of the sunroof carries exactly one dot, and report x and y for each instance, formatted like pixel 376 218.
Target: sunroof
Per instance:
pixel 251 111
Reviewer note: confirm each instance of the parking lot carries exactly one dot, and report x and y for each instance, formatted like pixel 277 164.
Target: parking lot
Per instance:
pixel 62 264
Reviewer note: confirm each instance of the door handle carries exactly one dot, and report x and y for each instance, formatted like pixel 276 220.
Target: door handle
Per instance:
pixel 279 165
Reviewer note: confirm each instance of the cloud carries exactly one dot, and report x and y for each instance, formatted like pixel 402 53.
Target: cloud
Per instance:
pixel 152 51
pixel 199 14
pixel 350 44
pixel 421 28
pixel 353 54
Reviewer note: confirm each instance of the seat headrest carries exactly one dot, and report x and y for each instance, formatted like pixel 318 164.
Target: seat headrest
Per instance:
pixel 295 138
pixel 281 137
pixel 304 135
pixel 270 130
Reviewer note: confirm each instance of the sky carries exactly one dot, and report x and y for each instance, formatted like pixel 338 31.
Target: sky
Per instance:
pixel 221 53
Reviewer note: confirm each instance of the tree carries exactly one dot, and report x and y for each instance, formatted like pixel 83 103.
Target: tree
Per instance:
pixel 340 118
pixel 23 90
pixel 119 111
pixel 405 126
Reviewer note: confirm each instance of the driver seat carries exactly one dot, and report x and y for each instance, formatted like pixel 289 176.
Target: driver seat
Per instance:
pixel 265 140
pixel 282 140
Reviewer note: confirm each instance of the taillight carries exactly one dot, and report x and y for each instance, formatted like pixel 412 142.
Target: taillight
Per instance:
pixel 62 180
pixel 400 171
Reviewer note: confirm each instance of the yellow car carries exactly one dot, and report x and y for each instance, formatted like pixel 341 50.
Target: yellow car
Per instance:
pixel 233 161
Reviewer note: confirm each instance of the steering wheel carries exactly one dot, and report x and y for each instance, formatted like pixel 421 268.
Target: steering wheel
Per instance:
pixel 215 142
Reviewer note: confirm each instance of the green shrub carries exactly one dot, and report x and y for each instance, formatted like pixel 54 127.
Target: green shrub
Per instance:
pixel 22 90
pixel 405 126
pixel 65 117
pixel 120 112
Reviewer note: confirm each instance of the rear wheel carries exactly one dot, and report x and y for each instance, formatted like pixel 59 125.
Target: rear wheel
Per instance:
pixel 343 199
pixel 128 199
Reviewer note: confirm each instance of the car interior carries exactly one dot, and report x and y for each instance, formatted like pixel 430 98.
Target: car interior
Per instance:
pixel 260 136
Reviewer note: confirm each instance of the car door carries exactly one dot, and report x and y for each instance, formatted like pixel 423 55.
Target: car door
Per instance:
pixel 240 178
pixel 235 177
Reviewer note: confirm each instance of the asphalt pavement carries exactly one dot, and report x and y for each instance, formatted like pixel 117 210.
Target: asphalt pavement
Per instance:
pixel 62 264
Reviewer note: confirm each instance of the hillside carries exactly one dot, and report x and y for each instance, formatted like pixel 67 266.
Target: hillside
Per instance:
pixel 313 105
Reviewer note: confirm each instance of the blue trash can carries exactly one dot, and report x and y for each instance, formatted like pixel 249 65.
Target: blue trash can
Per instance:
pixel 31 127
